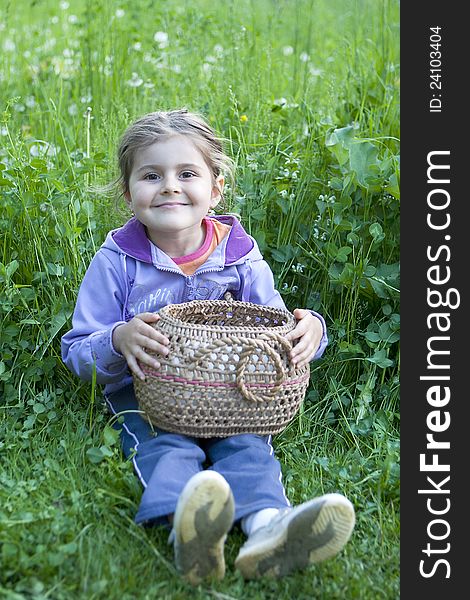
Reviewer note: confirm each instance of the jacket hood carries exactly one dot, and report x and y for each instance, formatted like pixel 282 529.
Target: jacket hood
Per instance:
pixel 133 241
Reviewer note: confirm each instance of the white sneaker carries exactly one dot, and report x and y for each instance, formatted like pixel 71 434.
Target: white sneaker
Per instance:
pixel 203 517
pixel 298 537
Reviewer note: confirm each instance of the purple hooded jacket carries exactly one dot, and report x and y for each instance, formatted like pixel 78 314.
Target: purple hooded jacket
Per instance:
pixel 130 275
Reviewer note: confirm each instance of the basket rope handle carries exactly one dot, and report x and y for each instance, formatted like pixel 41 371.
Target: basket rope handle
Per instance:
pixel 241 370
pixel 252 345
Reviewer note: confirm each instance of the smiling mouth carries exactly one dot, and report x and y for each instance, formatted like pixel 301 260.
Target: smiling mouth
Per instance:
pixel 170 204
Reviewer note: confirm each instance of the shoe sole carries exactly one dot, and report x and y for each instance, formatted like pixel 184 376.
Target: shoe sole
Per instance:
pixel 315 531
pixel 202 519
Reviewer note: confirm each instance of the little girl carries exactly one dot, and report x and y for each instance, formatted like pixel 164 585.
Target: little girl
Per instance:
pixel 172 169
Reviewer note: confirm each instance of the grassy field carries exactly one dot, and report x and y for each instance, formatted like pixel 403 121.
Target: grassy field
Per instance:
pixel 306 93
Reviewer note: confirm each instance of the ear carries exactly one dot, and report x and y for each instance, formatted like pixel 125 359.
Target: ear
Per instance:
pixel 217 189
pixel 127 198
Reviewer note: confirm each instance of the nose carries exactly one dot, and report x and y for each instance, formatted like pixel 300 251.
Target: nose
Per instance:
pixel 171 184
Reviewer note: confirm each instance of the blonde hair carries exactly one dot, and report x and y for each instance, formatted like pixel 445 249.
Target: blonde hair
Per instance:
pixel 154 126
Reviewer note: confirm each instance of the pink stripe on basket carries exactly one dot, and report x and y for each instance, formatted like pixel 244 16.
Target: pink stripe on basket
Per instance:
pixel 217 383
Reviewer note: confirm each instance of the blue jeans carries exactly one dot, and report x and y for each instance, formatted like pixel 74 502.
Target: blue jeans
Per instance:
pixel 165 461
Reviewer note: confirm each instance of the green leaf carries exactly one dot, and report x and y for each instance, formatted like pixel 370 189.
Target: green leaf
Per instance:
pixel 339 141
pixel 332 249
pixel 380 359
pixel 376 232
pixel 258 214
pixel 336 183
pixel 393 187
pixel 343 253
pixel 95 455
pixel 354 349
pixel 11 268
pixel 387 334
pixel 29 422
pixel 58 185
pixel 353 239
pixel 55 269
pixel 379 288
pixel 110 435
pixel 363 161
pixel 260 237
pixel 106 451
pixel 39 164
pixel 283 254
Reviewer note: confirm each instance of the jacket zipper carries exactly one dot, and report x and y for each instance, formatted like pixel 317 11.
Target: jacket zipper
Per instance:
pixel 189 279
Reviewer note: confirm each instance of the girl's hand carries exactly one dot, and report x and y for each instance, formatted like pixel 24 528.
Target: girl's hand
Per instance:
pixel 134 338
pixel 309 332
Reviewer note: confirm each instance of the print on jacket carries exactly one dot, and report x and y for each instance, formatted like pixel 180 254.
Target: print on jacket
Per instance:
pixel 150 299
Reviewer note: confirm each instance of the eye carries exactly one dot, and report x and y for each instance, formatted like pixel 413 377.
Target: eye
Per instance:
pixel 187 174
pixel 151 176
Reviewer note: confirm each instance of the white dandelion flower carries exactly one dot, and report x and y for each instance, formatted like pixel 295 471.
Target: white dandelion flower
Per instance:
pixel 49 43
pixel 161 37
pixel 280 101
pixel 315 72
pixel 304 57
pixel 9 45
pixel 43 148
pixel 119 13
pixel 64 5
pixel 135 80
pixel 288 50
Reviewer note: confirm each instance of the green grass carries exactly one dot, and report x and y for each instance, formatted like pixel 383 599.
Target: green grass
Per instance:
pixel 306 93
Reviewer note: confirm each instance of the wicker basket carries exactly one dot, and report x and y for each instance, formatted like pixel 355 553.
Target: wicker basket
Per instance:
pixel 227 371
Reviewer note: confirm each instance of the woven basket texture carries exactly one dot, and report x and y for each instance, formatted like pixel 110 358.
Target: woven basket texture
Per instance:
pixel 227 371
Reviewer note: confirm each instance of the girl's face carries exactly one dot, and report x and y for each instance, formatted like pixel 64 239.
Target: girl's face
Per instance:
pixel 171 188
